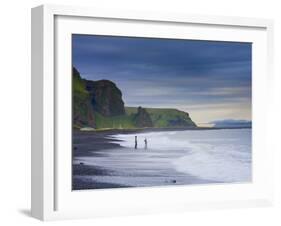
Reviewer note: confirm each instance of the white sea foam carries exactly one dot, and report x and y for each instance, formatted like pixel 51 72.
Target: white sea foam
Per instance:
pixel 216 155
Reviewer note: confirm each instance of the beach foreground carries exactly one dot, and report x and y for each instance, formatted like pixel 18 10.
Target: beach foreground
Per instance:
pixel 109 159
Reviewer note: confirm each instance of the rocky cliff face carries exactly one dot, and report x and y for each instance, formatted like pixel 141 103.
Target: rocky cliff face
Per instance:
pixel 82 111
pixel 106 98
pixel 142 118
pixel 180 121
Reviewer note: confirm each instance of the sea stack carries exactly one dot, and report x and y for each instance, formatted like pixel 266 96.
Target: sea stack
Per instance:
pixel 142 118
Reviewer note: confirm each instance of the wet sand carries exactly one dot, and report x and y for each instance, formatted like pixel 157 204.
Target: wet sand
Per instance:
pixel 99 145
pixel 89 144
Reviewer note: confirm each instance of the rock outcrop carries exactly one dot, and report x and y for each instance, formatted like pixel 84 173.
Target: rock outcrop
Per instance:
pixel 82 111
pixel 106 98
pixel 165 117
pixel 181 121
pixel 142 118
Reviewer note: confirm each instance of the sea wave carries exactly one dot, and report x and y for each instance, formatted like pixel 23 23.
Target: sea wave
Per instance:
pixel 215 155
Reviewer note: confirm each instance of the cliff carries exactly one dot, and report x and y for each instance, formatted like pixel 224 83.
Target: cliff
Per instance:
pixel 99 105
pixel 82 112
pixel 106 98
pixel 166 117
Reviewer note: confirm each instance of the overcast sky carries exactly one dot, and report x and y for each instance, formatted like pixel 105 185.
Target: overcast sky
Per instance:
pixel 210 80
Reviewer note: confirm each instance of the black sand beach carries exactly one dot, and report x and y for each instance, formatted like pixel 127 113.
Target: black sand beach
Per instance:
pixel 89 144
pixel 99 161
pixel 95 144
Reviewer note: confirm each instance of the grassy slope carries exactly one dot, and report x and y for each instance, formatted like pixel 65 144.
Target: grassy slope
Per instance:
pixel 161 116
pixel 115 122
pixel 81 102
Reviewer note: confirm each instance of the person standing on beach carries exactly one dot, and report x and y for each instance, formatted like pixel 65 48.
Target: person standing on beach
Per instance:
pixel 136 142
pixel 145 143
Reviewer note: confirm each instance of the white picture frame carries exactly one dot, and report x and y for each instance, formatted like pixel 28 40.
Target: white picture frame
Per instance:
pixel 52 197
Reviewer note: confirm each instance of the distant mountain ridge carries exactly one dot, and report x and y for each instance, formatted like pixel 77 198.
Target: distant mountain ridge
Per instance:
pixel 99 105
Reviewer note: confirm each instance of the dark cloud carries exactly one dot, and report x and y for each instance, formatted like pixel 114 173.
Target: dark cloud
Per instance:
pixel 168 71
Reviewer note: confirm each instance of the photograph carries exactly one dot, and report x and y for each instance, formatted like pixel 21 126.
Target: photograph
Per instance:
pixel 150 111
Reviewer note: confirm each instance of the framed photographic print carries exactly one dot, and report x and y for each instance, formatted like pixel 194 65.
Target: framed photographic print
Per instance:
pixel 137 112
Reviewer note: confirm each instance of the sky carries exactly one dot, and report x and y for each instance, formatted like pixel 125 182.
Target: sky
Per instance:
pixel 209 80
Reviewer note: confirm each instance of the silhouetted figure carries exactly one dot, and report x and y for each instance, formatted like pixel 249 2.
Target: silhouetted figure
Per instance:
pixel 136 142
pixel 145 143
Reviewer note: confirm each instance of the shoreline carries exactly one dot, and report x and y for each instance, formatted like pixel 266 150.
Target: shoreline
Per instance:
pixel 96 144
pixel 88 143
pixel 144 130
